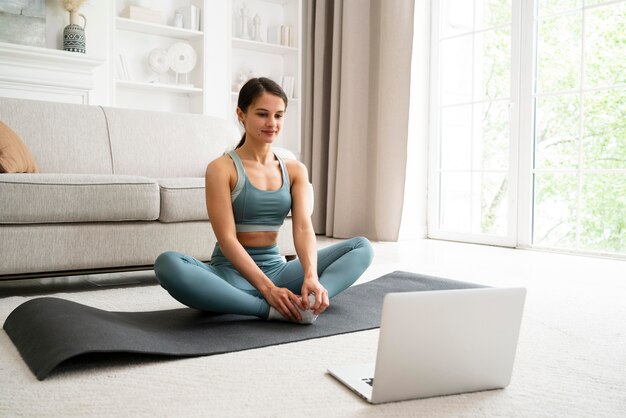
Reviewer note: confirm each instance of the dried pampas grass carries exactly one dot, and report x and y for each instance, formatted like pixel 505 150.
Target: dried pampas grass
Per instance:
pixel 72 5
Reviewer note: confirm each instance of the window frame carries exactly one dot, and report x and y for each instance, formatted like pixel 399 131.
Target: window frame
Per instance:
pixel 522 127
pixel 434 231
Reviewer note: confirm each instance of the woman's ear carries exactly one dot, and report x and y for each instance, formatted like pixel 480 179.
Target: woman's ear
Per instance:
pixel 240 115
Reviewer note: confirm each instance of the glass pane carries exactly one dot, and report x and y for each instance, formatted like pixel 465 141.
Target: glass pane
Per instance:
pixel 490 13
pixel 494 203
pixel 604 140
pixel 474 97
pixel 457 17
pixel 456 200
pixel 491 136
pixel 546 7
pixel 492 76
pixel 603 212
pixel 554 220
pixel 557 124
pixel 605 45
pixel 456 76
pixel 456 137
pixel 594 2
pixel 558 53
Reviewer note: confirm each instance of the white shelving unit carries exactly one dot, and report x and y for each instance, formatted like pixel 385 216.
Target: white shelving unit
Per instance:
pixel 275 61
pixel 133 40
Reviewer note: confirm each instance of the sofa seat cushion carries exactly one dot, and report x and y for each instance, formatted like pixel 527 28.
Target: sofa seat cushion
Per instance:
pixel 182 199
pixel 54 198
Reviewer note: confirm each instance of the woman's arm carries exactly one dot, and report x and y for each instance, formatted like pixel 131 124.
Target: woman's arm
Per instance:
pixel 304 237
pixel 219 207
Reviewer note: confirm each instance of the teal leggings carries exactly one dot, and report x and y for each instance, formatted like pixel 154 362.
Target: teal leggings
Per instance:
pixel 218 286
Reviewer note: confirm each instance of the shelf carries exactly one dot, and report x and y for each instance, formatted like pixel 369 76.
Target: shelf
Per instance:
pixel 171 88
pixel 263 47
pixel 123 23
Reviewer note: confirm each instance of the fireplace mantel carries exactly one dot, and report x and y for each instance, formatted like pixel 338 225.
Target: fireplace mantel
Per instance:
pixel 46 74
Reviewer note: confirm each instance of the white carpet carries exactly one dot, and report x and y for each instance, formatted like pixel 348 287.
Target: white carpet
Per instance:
pixel 571 360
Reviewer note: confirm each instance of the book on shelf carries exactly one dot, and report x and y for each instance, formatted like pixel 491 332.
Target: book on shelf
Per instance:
pixel 122 68
pixel 281 35
pixel 288 84
pixel 285 35
pixel 143 14
pixel 191 17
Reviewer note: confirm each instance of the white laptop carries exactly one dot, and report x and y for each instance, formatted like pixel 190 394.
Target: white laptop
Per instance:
pixel 442 342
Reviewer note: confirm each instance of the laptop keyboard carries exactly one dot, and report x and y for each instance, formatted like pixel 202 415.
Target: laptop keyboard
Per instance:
pixel 369 381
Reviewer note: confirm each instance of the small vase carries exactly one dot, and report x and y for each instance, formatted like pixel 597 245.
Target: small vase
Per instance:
pixel 74 34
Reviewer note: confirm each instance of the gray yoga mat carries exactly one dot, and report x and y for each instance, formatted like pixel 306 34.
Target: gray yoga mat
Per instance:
pixel 49 331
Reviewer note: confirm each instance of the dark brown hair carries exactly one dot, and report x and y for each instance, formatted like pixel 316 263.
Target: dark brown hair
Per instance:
pixel 252 90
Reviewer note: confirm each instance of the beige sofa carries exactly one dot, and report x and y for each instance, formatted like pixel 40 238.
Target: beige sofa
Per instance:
pixel 115 188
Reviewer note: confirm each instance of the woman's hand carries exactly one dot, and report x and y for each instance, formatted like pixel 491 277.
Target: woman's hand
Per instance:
pixel 284 300
pixel 312 285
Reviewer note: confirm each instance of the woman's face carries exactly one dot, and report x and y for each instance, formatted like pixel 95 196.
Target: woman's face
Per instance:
pixel 264 118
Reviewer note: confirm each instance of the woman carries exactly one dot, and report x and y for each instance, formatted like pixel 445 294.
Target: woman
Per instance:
pixel 249 192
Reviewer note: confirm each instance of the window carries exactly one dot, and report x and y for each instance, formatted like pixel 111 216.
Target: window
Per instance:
pixel 474 180
pixel 579 171
pixel 528 128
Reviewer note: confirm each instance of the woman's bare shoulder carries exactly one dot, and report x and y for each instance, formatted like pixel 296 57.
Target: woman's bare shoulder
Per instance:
pixel 297 172
pixel 295 168
pixel 220 167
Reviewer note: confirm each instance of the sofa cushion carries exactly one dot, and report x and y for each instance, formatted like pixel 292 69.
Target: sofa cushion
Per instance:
pixel 15 157
pixel 182 199
pixel 169 144
pixel 63 137
pixel 48 198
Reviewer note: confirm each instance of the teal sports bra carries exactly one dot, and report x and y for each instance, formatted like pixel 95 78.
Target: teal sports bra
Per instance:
pixel 255 209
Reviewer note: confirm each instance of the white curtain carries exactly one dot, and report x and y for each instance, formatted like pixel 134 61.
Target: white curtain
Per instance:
pixel 358 59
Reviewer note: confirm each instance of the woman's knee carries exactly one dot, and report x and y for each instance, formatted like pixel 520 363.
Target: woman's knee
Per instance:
pixel 364 248
pixel 166 266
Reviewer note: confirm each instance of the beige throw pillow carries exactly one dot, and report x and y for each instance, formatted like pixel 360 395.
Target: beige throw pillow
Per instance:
pixel 14 156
